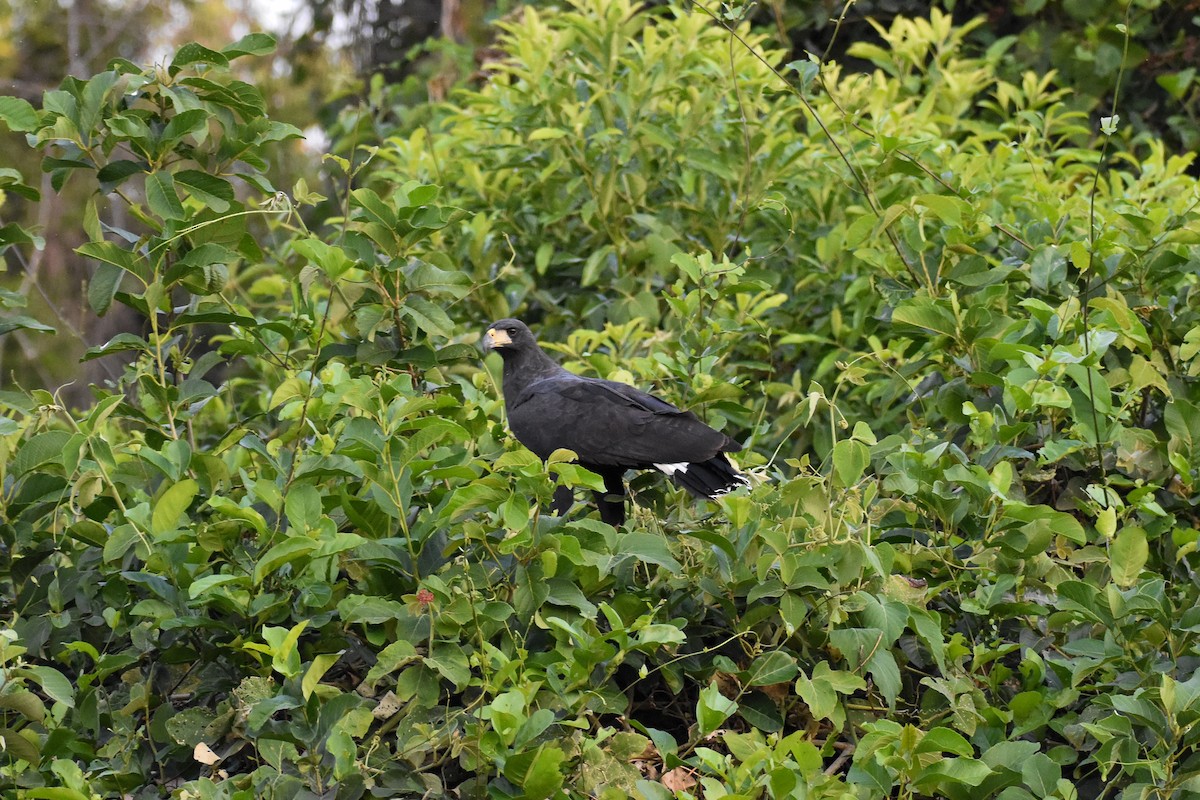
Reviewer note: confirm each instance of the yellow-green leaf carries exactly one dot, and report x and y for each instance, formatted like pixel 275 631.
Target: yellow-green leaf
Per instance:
pixel 316 670
pixel 171 505
pixel 1127 556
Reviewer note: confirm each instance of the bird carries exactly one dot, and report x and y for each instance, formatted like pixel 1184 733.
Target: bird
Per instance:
pixel 611 427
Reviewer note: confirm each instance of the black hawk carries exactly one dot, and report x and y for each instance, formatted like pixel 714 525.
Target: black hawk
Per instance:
pixel 611 427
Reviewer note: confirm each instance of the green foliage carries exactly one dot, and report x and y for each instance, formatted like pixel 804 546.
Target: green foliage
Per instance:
pixel 1138 54
pixel 1095 45
pixel 585 117
pixel 293 553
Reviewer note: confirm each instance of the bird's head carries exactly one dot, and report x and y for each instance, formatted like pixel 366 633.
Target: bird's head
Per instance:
pixel 507 335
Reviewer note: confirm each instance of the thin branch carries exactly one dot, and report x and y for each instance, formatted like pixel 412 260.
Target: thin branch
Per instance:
pixel 1087 277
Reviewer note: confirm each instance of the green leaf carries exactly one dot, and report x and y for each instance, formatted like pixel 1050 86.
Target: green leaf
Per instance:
pixel 39 450
pixel 303 506
pixel 210 317
pixel 18 114
pixel 950 771
pixel 926 313
pixel 928 627
pixel 508 711
pixel 134 130
pixel 793 610
pixel 515 512
pixel 53 683
pixel 760 711
pixel 850 459
pixel 1011 755
pixel 171 505
pixel 237 96
pixel 945 740
pixel 187 728
pixel 55 793
pixel 414 194
pixel 429 317
pixel 713 708
pixel 1177 83
pixel 947 208
pixel 285 644
pixel 193 53
pixel 659 634
pixel 886 673
pixel 263 710
pixel 22 322
pixel 192 122
pixel 625 746
pixel 216 193
pixel 865 647
pixel 1128 555
pixel 333 261
pixel 12 233
pixel 770 668
pixel 544 777
pixel 109 253
pixel 706 161
pixel 287 551
pixel 820 693
pixel 114 173
pixel 25 703
pixel 647 548
pixel 338 543
pixel 18 747
pixel 565 593
pixel 1180 697
pixel 202 585
pixel 452 663
pixel 1042 519
pixel 389 660
pixel 94 97
pixel 119 541
pixel 376 210
pixel 425 277
pixel 120 343
pixel 161 196
pixel 252 44
pixel 13 181
pixel 371 610
pixel 575 475
pixel 806 72
pixel 1183 424
pixel 653 790
pixel 542 134
pixel 1041 774
pixel 316 670
pixel 1085 598
pixel 229 509
pixel 600 259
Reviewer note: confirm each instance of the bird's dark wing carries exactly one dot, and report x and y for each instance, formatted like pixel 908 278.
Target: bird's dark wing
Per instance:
pixel 610 424
pixel 624 393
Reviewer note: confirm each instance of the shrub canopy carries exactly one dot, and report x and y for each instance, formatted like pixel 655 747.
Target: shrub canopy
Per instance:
pixel 295 553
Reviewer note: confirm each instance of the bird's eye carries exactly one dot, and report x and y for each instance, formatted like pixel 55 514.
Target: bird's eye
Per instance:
pixel 512 331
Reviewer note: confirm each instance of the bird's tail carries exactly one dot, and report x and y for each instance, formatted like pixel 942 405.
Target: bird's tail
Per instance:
pixel 710 479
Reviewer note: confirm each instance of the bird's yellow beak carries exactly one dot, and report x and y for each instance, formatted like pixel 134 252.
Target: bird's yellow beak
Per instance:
pixel 494 338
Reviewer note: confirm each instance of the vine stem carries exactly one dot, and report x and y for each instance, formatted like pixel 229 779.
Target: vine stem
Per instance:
pixel 1087 290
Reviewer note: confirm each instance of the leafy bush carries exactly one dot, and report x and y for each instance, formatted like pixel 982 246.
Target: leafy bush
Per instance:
pixel 295 554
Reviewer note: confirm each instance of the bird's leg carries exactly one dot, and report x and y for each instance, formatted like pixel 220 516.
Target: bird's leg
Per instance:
pixel 611 501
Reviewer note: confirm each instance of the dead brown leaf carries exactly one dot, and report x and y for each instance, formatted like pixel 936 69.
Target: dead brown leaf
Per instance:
pixel 678 780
